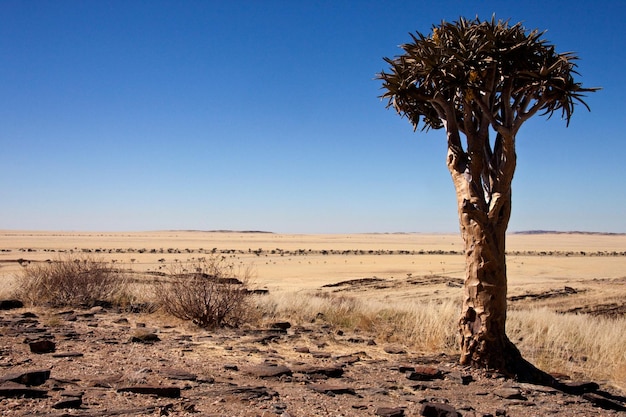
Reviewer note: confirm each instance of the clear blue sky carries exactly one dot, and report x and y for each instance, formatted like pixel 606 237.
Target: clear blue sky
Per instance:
pixel 264 115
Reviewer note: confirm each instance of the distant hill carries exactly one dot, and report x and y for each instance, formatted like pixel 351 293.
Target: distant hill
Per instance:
pixel 573 232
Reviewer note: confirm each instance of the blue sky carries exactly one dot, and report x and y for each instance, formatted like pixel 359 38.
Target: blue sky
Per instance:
pixel 264 115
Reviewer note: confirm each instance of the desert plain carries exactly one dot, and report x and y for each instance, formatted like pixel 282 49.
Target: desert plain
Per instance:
pixel 295 262
pixel 575 274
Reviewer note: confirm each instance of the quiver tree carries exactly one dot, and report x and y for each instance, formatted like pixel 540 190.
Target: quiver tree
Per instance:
pixel 481 81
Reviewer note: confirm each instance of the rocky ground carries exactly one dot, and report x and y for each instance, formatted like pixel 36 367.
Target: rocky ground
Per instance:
pixel 102 362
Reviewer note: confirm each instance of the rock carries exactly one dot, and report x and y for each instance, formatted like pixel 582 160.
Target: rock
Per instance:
pixel 10 304
pixel 250 393
pixel 122 320
pixel 438 410
pixel 332 389
pixel 389 412
pixel 159 391
pixel 69 402
pixel 328 371
pixel 231 367
pixel 42 346
pixel 283 325
pixel 30 378
pixel 301 349
pixel 509 393
pixel 12 390
pixel 424 373
pixel 146 338
pixel 268 371
pixel 68 355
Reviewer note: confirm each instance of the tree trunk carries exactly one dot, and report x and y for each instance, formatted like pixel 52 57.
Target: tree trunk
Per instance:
pixel 482 325
pixel 483 225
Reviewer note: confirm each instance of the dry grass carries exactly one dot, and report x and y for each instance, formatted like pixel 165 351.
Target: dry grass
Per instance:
pixel 580 345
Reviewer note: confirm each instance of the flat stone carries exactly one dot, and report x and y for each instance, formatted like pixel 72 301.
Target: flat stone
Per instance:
pixel 251 393
pixel 328 371
pixel 268 371
pixel 146 338
pixel 30 378
pixel 509 394
pixel 68 355
pixel 332 389
pixel 159 391
pixel 424 373
pixel 389 412
pixel 69 402
pixel 12 390
pixel 438 410
pixel 42 346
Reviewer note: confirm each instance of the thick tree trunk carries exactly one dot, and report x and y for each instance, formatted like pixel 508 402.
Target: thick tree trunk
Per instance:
pixel 483 223
pixel 482 326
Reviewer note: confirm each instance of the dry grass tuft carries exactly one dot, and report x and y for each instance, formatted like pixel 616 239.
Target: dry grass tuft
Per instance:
pixel 580 345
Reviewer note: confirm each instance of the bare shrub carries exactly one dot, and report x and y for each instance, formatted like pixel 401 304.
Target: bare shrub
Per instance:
pixel 73 280
pixel 210 291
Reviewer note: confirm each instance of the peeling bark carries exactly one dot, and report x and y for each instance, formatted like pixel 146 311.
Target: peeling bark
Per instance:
pixel 483 220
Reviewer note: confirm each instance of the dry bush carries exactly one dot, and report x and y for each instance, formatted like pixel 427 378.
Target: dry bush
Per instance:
pixel 208 291
pixel 73 280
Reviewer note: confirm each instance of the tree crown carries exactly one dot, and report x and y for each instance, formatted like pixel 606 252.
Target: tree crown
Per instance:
pixel 473 72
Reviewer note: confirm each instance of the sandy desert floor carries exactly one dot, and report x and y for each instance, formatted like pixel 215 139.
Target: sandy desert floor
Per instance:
pixel 536 262
pixel 306 370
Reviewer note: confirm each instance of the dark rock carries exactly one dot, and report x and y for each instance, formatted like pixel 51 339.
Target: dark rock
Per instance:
pixel 251 393
pixel 603 402
pixel 389 412
pixel 332 389
pixel 69 402
pixel 122 320
pixel 159 391
pixel 31 378
pixel 302 349
pixel 328 371
pixel 231 367
pixel 29 315
pixel 12 390
pixel 10 304
pixel 438 410
pixel 268 371
pixel 146 338
pixel 283 325
pixel 42 346
pixel 424 373
pixel 68 355
pixel 509 393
